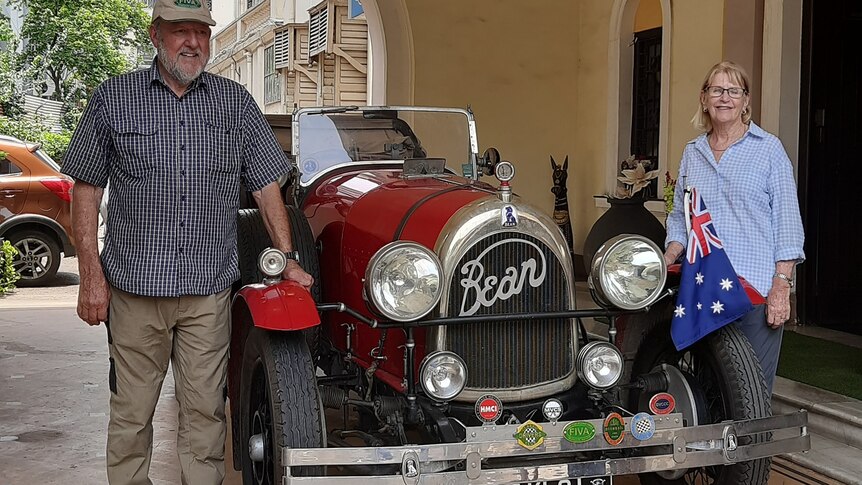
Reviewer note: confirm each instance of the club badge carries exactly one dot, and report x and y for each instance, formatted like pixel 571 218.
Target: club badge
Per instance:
pixel 642 426
pixel 579 432
pixel 662 403
pixel 552 409
pixel 489 408
pixel 614 429
pixel 530 435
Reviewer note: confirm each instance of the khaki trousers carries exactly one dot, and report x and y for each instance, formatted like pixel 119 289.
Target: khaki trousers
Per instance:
pixel 144 334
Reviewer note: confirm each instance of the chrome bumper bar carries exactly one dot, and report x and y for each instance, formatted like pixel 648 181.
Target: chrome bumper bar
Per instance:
pixel 679 448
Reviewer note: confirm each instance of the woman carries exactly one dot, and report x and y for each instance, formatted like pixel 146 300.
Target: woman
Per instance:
pixel 746 181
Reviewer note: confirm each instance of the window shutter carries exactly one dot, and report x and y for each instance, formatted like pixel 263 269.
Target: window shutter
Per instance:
pixel 317 25
pixel 282 49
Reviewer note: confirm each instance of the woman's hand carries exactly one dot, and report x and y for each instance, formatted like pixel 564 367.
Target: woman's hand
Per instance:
pixel 672 253
pixel 778 303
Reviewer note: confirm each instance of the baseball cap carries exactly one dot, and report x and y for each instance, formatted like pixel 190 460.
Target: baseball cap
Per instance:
pixel 183 10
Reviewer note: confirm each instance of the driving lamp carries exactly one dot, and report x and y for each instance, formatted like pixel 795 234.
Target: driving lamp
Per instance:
pixel 443 375
pixel 402 281
pixel 271 262
pixel 628 272
pixel 600 365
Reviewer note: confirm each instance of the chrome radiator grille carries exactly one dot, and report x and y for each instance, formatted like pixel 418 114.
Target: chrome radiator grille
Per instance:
pixel 509 273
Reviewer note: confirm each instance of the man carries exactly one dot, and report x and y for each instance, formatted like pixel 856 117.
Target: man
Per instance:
pixel 174 142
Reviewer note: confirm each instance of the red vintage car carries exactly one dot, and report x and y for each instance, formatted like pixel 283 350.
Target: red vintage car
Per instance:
pixel 443 338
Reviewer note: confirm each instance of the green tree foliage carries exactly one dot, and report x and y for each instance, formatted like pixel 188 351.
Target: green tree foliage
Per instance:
pixel 8 76
pixel 77 44
pixel 54 144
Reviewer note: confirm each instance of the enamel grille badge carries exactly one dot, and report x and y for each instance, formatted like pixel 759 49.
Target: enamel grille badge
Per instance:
pixel 552 409
pixel 508 216
pixel 642 426
pixel 489 408
pixel 579 432
pixel 662 403
pixel 614 429
pixel 530 435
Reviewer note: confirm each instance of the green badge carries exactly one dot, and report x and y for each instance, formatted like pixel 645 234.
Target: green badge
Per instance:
pixel 188 3
pixel 614 429
pixel 579 432
pixel 530 435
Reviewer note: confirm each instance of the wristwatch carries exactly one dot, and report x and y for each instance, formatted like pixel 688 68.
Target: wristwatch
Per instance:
pixel 294 255
pixel 784 277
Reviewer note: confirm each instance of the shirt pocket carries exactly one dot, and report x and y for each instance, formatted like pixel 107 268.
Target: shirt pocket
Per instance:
pixel 135 143
pixel 225 144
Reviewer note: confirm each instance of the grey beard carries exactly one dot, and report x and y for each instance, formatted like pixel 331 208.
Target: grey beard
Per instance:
pixel 183 77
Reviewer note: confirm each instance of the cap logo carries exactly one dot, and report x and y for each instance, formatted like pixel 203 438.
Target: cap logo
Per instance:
pixel 188 3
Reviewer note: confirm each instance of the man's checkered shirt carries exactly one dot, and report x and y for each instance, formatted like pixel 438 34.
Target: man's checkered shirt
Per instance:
pixel 751 196
pixel 174 166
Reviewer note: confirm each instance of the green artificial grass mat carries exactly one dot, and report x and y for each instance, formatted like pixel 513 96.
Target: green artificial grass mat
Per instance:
pixel 821 363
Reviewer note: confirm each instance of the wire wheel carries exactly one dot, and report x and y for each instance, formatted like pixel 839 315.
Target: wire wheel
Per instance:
pixel 724 381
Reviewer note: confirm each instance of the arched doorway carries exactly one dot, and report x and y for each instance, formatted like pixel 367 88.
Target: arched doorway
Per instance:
pixel 391 59
pixel 621 79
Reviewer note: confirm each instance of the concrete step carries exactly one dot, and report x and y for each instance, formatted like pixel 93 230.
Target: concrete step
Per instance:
pixel 827 457
pixel 830 415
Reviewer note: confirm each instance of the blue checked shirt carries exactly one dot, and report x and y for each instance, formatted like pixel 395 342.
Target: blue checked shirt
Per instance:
pixel 751 195
pixel 174 166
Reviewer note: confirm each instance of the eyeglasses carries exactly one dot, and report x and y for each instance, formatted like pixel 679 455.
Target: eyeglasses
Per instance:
pixel 717 91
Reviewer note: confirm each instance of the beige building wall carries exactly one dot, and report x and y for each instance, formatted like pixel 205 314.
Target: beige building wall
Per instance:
pixel 537 78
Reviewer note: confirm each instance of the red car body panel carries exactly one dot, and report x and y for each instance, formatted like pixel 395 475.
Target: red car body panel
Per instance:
pixel 352 215
pixel 285 305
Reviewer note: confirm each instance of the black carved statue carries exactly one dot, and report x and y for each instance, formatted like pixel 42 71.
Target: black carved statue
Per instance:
pixel 561 200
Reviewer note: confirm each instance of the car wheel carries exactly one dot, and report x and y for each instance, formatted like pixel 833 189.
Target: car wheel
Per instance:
pixel 38 257
pixel 722 381
pixel 279 405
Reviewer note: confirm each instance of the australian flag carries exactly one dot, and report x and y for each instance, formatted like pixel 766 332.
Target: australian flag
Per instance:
pixel 710 293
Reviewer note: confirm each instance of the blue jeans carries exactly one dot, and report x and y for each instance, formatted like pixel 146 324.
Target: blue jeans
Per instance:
pixel 765 341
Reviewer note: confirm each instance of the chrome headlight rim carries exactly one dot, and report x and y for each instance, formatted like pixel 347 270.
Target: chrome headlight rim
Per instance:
pixel 436 357
pixel 372 278
pixel 599 265
pixel 271 262
pixel 585 352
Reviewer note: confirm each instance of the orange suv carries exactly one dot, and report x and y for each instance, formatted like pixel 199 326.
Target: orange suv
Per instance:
pixel 35 217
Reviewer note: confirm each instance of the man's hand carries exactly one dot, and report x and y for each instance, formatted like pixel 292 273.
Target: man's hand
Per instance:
pixel 94 295
pixel 93 292
pixel 294 272
pixel 778 304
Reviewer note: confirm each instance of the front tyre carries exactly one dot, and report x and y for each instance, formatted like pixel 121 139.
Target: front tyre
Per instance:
pixel 279 404
pixel 725 382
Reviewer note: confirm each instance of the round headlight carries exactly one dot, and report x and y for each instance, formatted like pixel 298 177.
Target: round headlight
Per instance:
pixel 271 262
pixel 443 375
pixel 403 281
pixel 600 365
pixel 628 272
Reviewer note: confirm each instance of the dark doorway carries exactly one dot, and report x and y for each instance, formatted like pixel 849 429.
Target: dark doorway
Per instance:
pixel 831 158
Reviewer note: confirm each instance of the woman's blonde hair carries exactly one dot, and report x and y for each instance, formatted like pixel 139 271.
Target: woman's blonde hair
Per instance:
pixel 737 74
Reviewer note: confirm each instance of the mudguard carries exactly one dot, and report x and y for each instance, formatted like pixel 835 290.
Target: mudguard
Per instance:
pixel 285 305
